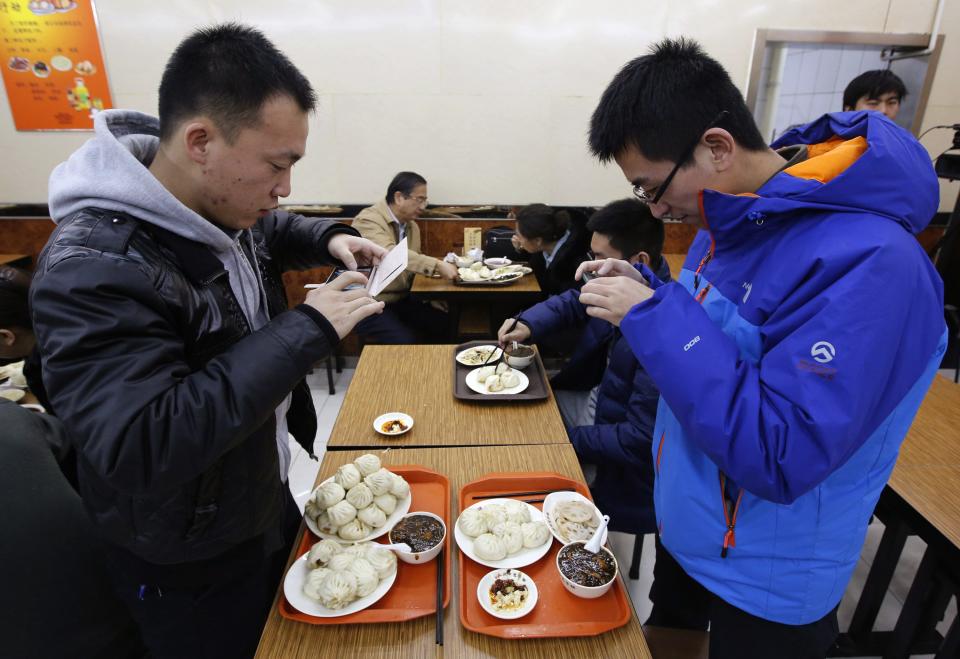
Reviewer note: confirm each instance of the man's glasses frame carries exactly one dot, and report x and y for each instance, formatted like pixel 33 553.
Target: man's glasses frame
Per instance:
pixel 644 196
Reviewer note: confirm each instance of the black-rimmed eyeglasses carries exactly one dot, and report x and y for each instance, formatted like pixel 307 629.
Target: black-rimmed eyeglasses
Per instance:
pixel 644 195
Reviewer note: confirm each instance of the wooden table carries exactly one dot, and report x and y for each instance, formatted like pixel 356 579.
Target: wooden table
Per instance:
pixel 498 301
pixel 922 498
pixel 934 437
pixel 675 261
pixel 418 380
pixel 438 288
pixel 16 260
pixel 288 639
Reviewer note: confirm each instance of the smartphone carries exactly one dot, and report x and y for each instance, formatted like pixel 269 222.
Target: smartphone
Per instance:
pixel 339 271
pixel 587 276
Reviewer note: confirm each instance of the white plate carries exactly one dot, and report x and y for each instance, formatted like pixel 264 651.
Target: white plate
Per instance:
pixel 461 356
pixel 483 593
pixel 522 558
pixel 403 507
pixel 496 262
pixel 479 387
pixel 550 502
pixel 392 416
pixel 293 590
pixel 499 281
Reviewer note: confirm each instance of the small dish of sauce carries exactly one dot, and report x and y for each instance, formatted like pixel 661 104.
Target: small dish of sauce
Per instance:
pixel 419 531
pixel 584 568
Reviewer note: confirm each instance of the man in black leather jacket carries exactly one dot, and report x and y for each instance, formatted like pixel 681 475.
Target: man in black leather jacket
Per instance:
pixel 167 347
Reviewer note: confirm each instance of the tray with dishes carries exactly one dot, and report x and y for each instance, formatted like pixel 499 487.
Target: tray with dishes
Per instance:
pixel 520 377
pixel 546 598
pixel 335 581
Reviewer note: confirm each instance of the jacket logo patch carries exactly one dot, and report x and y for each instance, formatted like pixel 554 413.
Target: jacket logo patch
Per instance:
pixel 694 341
pixel 823 352
pixel 748 287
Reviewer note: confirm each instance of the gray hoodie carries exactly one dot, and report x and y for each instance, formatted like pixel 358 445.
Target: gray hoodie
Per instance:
pixel 110 172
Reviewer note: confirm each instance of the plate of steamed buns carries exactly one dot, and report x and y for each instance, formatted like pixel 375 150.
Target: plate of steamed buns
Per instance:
pixel 502 533
pixel 362 501
pixel 335 580
pixel 497 379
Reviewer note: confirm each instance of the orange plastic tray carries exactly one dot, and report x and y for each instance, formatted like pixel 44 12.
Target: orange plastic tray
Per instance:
pixel 414 593
pixel 558 612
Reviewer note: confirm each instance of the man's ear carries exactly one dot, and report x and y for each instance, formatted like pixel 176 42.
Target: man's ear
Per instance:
pixel 197 136
pixel 639 257
pixel 722 147
pixel 7 337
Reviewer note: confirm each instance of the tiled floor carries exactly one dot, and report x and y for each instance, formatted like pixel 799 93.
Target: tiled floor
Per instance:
pixel 303 473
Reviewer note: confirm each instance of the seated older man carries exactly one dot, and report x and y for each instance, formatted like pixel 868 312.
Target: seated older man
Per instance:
pixel 386 223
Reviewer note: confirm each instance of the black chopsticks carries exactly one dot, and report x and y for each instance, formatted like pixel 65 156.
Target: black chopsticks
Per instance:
pixel 510 495
pixel 440 567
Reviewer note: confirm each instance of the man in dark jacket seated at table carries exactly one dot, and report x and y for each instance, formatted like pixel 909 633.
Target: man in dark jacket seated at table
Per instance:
pixel 607 400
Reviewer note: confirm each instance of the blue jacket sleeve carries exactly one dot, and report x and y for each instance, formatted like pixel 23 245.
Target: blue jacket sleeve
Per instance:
pixel 627 442
pixel 831 359
pixel 555 313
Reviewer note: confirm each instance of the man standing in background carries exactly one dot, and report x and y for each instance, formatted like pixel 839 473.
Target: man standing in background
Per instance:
pixel 881 90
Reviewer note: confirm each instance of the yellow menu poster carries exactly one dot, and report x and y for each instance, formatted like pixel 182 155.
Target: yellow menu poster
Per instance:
pixel 52 64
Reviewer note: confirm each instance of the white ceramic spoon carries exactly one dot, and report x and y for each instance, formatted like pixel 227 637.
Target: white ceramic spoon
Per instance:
pixel 593 544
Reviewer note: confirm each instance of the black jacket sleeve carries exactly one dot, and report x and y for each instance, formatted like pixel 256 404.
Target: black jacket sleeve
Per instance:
pixel 116 371
pixel 300 243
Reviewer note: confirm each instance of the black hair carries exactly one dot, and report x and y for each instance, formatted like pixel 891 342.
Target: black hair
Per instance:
pixel 658 102
pixel 630 227
pixel 873 84
pixel 542 221
pixel 404 183
pixel 227 72
pixel 14 295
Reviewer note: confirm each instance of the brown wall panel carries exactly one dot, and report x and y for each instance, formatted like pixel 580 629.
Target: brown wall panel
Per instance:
pixel 439 236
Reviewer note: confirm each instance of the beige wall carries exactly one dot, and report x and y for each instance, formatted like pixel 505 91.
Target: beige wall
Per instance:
pixel 489 100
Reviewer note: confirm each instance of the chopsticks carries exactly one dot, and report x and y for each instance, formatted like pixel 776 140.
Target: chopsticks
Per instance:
pixel 440 567
pixel 510 495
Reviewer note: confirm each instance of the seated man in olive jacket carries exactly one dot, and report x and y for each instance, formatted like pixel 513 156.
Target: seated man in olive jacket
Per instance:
pixel 167 347
pixel 386 223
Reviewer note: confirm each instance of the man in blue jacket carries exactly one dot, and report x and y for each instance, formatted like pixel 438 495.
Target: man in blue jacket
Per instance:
pixel 791 355
pixel 610 400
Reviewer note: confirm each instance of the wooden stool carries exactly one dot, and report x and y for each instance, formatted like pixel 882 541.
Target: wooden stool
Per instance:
pixel 667 643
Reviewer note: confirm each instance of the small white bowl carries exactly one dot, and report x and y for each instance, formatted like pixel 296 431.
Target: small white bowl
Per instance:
pixel 483 593
pixel 405 419
pixel 497 262
pixel 423 556
pixel 520 362
pixel 588 592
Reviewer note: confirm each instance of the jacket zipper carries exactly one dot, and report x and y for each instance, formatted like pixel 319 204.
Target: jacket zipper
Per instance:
pixel 660 450
pixel 730 510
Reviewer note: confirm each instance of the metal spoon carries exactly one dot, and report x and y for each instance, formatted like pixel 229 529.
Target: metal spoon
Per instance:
pixel 593 545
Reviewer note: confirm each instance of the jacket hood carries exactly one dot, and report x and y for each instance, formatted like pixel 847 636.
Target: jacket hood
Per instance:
pixel 111 171
pixel 857 162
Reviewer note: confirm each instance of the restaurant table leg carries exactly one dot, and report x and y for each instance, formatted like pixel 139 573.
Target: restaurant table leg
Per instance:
pixel 951 643
pixel 878 579
pixel 901 642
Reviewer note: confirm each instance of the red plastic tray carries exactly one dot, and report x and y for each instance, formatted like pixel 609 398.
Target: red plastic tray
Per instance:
pixel 414 593
pixel 558 612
